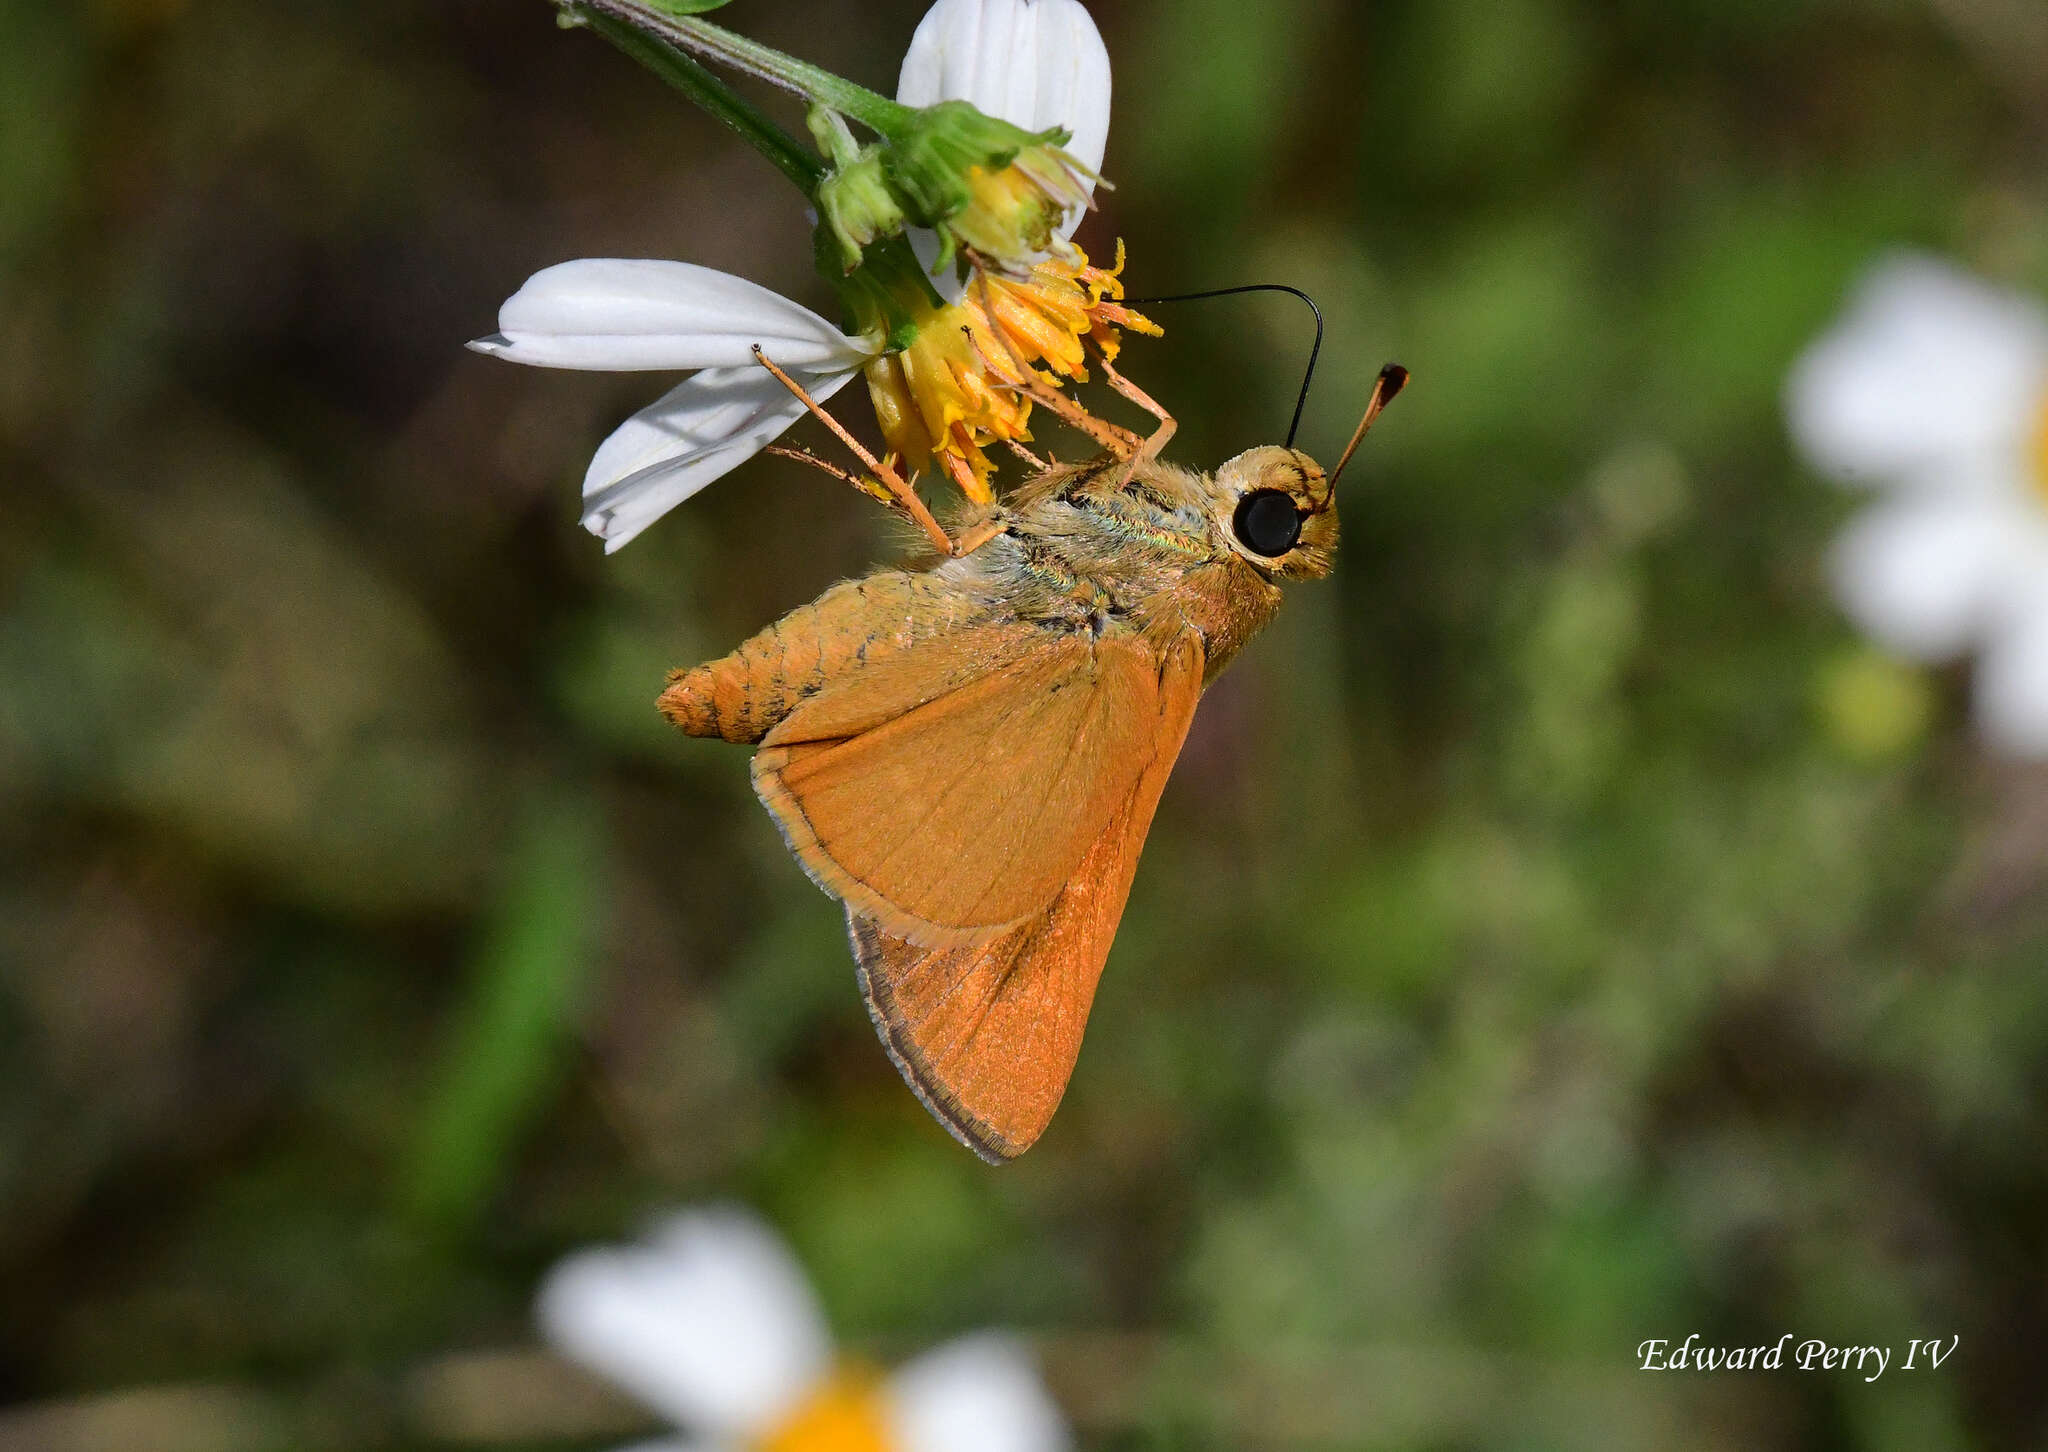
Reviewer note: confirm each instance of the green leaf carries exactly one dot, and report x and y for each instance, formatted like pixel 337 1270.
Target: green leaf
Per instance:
pixel 685 7
pixel 505 1047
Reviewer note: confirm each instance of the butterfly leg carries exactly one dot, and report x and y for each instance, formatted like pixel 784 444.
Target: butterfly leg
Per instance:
pixel 1021 377
pixel 978 535
pixel 904 497
pixel 1157 439
pixel 1026 455
pixel 1118 441
pixel 866 486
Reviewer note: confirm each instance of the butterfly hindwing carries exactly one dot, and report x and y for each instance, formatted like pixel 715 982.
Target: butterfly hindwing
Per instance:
pixel 852 626
pixel 984 837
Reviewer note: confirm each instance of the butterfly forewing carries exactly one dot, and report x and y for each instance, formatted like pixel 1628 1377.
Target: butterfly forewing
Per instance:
pixel 949 792
pixel 984 839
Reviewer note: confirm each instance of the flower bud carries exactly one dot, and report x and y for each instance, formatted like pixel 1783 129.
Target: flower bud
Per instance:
pixel 856 205
pixel 984 184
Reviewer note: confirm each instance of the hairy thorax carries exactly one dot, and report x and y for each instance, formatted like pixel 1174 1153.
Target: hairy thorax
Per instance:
pixel 1079 550
pixel 1085 550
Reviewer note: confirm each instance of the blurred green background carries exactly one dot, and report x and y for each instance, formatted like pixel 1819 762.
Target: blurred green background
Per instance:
pixel 1559 932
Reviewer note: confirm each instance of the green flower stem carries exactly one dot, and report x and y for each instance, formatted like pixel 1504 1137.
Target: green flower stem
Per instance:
pixel 708 91
pixel 876 112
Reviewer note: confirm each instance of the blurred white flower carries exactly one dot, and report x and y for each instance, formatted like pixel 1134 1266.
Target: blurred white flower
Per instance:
pixel 711 1323
pixel 1934 388
pixel 1034 63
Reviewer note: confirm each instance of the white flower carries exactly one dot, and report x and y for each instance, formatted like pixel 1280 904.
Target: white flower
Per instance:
pixel 711 1324
pixel 1934 388
pixel 1034 63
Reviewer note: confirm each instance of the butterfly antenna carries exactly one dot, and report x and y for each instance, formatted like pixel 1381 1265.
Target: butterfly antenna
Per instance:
pixel 1393 378
pixel 1314 352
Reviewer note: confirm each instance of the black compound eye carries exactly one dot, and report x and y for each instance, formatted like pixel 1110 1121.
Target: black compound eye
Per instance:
pixel 1267 522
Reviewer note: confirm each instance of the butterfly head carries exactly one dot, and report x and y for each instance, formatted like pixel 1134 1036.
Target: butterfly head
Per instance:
pixel 1274 507
pixel 1277 507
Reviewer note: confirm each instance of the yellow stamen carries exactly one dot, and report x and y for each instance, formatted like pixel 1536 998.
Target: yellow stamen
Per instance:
pixel 952 392
pixel 1008 212
pixel 2040 459
pixel 844 1414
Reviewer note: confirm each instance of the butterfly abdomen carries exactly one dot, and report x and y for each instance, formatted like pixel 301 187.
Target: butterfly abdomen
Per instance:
pixel 740 697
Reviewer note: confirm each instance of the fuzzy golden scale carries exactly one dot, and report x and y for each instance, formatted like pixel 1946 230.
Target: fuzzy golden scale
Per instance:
pixel 967 751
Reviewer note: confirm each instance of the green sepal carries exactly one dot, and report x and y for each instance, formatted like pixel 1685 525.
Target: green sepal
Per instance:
pixel 856 206
pixel 930 155
pixel 886 296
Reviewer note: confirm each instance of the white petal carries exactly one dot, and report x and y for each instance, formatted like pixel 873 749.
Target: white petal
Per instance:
pixel 1033 63
pixel 696 433
pixel 925 243
pixel 2012 682
pixel 611 313
pixel 710 1323
pixel 1925 571
pixel 1928 365
pixel 981 1393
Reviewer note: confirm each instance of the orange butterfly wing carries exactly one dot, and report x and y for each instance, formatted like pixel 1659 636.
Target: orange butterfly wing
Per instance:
pixel 979 803
pixel 949 791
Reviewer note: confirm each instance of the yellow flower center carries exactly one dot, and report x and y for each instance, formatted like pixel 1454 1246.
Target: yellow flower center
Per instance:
pixel 1007 212
pixel 844 1414
pixel 954 390
pixel 2040 459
